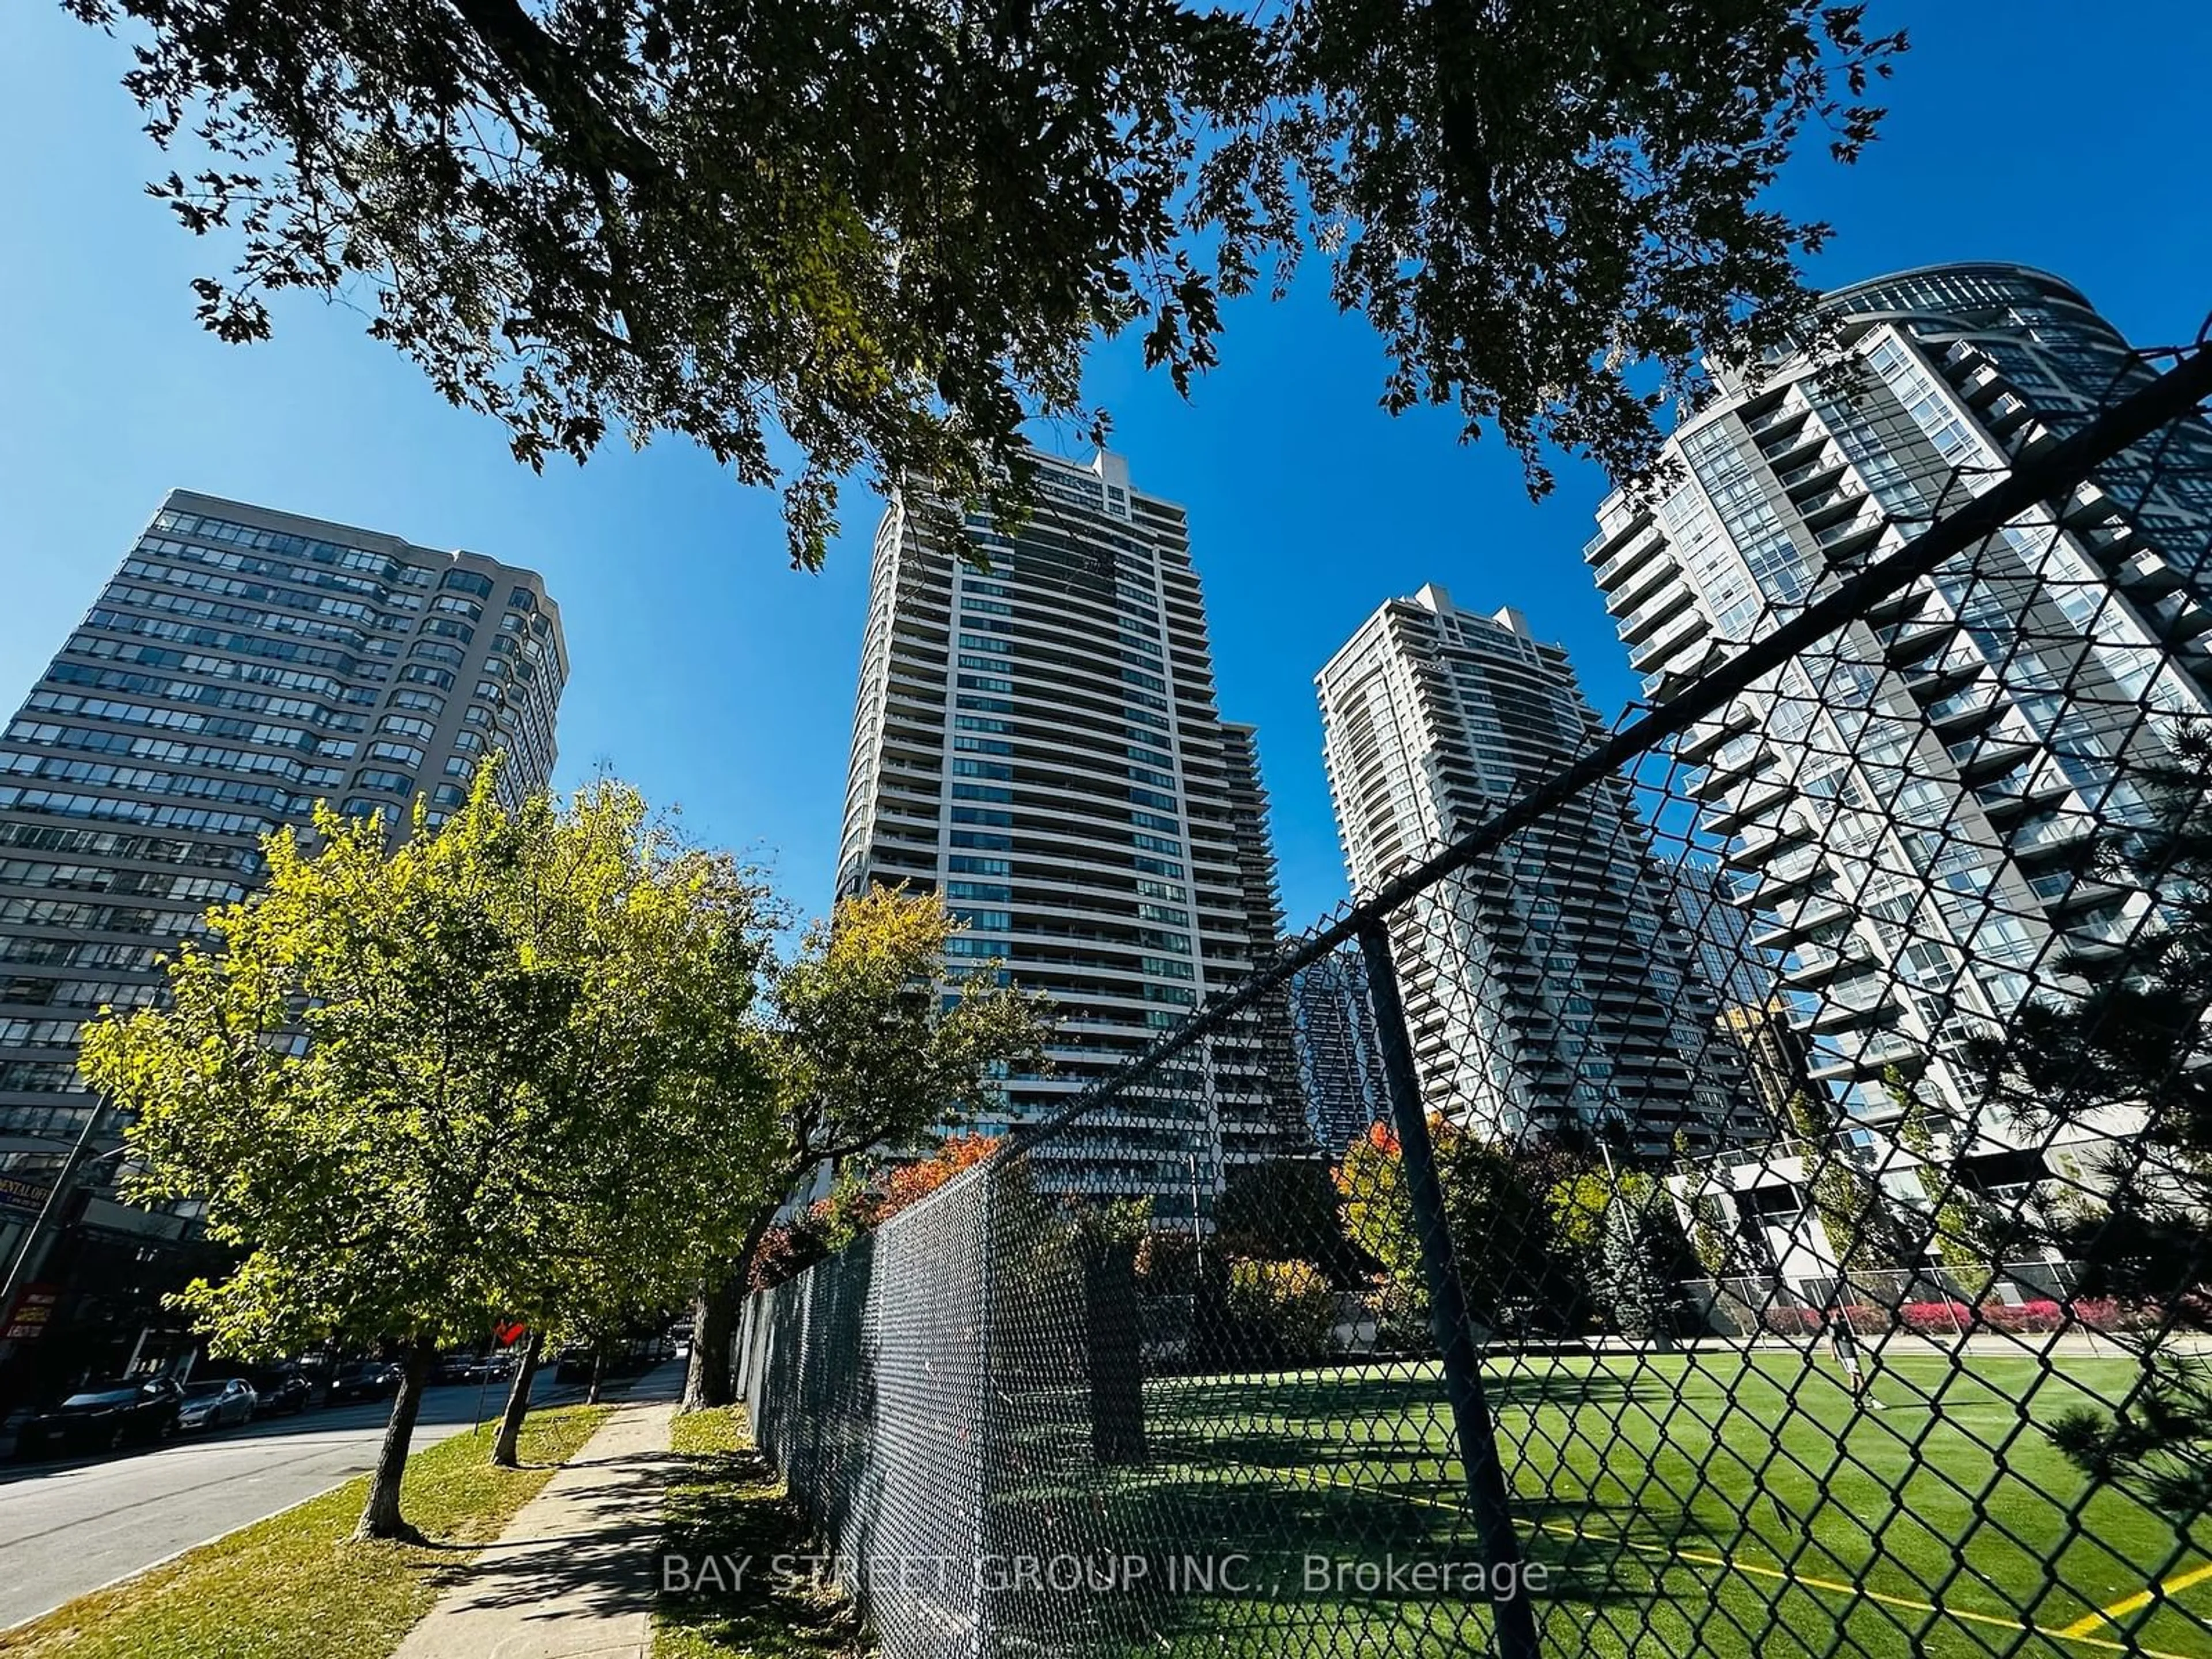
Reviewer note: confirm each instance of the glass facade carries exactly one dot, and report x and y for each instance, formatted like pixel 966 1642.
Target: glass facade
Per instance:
pixel 1900 813
pixel 1038 739
pixel 1545 985
pixel 240 665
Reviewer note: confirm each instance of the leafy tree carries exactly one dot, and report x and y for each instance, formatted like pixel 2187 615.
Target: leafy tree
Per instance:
pixel 867 1049
pixel 1862 1236
pixel 1577 1207
pixel 657 1114
pixel 1168 1263
pixel 1493 1210
pixel 1709 1236
pixel 351 1083
pixel 1279 1313
pixel 789 1247
pixel 867 1205
pixel 1643 1256
pixel 889 229
pixel 2133 1045
pixel 1285 1209
pixel 1617 1234
pixel 1967 1236
pixel 857 1206
pixel 1378 1217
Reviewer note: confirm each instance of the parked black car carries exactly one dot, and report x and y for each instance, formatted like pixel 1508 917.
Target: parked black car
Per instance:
pixel 283 1388
pixel 105 1416
pixel 458 1368
pixel 369 1379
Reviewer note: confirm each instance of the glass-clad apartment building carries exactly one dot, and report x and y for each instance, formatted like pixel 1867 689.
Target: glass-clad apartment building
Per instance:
pixel 240 665
pixel 1550 987
pixel 1037 738
pixel 1905 811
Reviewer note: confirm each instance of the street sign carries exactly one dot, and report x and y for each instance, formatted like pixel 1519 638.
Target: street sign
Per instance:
pixel 32 1312
pixel 26 1193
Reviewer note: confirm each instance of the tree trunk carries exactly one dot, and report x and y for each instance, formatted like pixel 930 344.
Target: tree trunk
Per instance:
pixel 711 1377
pixel 380 1516
pixel 713 1326
pixel 503 1449
pixel 598 1371
pixel 1114 1354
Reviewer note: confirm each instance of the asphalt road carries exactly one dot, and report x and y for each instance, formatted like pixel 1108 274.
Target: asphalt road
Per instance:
pixel 68 1527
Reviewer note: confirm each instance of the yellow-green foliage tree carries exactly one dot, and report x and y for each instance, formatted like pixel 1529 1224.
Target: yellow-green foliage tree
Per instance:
pixel 1282 1313
pixel 423 1086
pixel 1494 1212
pixel 868 1046
pixel 659 1090
pixel 1967 1235
pixel 1863 1236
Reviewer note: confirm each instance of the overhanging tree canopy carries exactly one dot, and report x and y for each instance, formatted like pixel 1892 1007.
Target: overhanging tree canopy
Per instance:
pixel 889 228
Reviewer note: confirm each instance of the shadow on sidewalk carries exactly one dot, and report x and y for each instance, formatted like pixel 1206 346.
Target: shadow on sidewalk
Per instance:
pixel 728 1519
pixel 600 1556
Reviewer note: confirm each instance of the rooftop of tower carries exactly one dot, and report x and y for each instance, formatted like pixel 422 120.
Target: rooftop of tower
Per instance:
pixel 2059 285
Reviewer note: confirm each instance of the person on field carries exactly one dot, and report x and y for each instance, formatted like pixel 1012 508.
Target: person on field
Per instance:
pixel 1844 1343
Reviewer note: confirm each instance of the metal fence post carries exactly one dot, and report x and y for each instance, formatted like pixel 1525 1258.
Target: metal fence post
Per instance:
pixel 982 1440
pixel 1470 1408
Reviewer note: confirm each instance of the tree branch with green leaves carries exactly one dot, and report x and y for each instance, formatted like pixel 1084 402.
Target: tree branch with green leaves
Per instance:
pixel 887 231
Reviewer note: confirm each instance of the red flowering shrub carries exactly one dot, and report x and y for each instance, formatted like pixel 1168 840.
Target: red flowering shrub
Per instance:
pixel 2041 1315
pixel 2109 1314
pixel 1937 1318
pixel 1805 1322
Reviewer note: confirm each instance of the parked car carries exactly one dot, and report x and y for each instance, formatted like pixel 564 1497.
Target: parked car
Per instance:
pixel 282 1388
pixel 279 1386
pixel 367 1379
pixel 105 1416
pixel 457 1368
pixel 216 1403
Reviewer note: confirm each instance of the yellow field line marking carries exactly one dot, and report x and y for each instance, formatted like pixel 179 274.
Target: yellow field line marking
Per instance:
pixel 2138 1602
pixel 2076 1632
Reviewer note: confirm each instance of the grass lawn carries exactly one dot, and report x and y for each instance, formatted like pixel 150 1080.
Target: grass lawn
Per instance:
pixel 726 1503
pixel 1719 1504
pixel 290 1587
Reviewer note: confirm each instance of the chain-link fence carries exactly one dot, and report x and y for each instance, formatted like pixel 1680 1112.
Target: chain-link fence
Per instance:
pixel 1748 1194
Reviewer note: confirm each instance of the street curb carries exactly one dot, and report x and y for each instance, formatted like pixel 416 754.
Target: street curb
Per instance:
pixel 122 1579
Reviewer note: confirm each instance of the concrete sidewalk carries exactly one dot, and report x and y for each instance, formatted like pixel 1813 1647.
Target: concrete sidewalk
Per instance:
pixel 573 1576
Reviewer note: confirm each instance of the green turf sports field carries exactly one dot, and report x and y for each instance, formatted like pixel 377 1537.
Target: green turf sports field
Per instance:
pixel 1716 1504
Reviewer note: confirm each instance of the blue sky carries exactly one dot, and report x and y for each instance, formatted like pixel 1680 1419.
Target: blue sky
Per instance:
pixel 710 673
